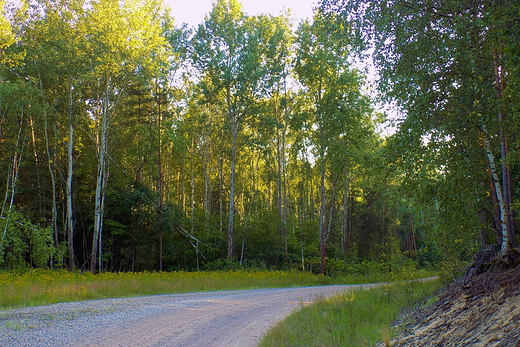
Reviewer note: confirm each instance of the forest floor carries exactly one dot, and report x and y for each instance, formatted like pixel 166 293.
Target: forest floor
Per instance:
pixel 481 308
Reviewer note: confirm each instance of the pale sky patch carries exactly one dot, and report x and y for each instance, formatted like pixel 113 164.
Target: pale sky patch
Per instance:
pixel 193 12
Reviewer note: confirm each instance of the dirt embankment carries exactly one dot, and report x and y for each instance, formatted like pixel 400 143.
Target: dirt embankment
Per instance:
pixel 480 309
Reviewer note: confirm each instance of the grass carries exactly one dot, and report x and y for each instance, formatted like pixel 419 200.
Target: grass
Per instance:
pixel 42 287
pixel 357 318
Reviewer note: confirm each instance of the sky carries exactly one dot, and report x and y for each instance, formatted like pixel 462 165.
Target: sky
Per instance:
pixel 192 12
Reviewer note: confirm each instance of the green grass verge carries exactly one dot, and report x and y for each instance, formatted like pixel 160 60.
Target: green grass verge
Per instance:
pixel 356 318
pixel 42 287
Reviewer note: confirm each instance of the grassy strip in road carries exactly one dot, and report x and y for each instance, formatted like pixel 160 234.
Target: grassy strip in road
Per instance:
pixel 41 287
pixel 356 318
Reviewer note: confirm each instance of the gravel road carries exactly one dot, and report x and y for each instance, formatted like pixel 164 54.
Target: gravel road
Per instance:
pixel 217 319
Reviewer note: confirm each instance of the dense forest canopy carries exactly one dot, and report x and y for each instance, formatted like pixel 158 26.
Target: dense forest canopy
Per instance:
pixel 130 142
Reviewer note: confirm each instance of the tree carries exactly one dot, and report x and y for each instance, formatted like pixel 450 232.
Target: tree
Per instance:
pixel 125 38
pixel 7 37
pixel 337 107
pixel 22 243
pixel 56 59
pixel 447 65
pixel 242 58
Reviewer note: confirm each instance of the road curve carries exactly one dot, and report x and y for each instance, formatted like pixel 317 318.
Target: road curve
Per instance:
pixel 217 319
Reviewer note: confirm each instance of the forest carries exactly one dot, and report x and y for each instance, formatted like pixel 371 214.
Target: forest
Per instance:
pixel 131 142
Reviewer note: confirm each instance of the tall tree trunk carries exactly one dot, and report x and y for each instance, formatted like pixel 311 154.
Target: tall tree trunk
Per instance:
pixel 160 202
pixel 346 225
pixel 507 180
pixel 234 135
pixel 100 185
pixel 505 244
pixel 281 181
pixel 50 160
pixel 70 169
pixel 41 205
pixel 160 195
pixel 323 224
pixel 10 191
pixel 332 204
pixel 221 193
pixel 207 181
pixel 192 187
pixel 496 210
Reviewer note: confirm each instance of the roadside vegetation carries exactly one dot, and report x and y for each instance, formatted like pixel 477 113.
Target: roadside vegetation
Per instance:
pixel 357 318
pixel 41 287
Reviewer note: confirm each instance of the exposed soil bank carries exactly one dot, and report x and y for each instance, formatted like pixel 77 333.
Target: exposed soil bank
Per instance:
pixel 480 309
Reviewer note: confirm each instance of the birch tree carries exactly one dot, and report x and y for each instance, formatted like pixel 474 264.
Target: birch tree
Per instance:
pixel 125 38
pixel 447 65
pixel 56 58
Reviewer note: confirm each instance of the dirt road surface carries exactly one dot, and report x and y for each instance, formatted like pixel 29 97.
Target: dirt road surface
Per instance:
pixel 217 319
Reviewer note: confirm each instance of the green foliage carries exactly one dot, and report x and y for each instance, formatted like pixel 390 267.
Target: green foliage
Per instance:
pixel 449 69
pixel 6 35
pixel 243 119
pixel 24 244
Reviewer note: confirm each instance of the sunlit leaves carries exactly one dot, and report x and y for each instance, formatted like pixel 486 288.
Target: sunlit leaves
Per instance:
pixel 124 36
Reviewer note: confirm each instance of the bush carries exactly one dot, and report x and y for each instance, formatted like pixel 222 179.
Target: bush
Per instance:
pixel 24 244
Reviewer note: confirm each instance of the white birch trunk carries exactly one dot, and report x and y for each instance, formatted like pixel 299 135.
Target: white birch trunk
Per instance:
pixel 11 182
pixel 506 245
pixel 100 184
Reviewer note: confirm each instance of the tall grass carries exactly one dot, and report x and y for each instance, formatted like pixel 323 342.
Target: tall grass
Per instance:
pixel 41 287
pixel 356 318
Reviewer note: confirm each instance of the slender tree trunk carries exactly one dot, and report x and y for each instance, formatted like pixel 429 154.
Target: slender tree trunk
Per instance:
pixel 182 181
pixel 234 135
pixel 160 202
pixel 70 169
pixel 285 232
pixel 160 178
pixel 12 178
pixel 50 160
pixel 505 244
pixel 100 185
pixel 507 181
pixel 332 203
pixel 496 210
pixel 323 224
pixel 50 166
pixel 207 182
pixel 346 231
pixel 221 194
pixel 41 205
pixel 192 187
pixel 281 183
pixel 103 196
